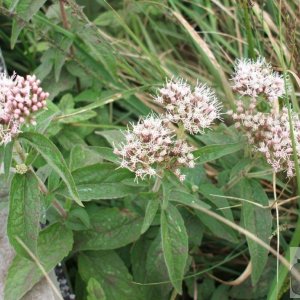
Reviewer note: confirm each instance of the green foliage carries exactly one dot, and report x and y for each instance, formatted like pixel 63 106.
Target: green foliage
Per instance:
pixel 100 63
pixel 24 212
pixel 174 244
pixel 54 158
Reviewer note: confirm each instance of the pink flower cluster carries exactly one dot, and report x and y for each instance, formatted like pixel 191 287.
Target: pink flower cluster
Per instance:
pixel 152 146
pixel 268 132
pixel 195 109
pixel 256 78
pixel 20 98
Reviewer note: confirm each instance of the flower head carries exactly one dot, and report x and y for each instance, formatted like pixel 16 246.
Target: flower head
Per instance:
pixel 150 145
pixel 256 77
pixel 196 109
pixel 267 132
pixel 20 98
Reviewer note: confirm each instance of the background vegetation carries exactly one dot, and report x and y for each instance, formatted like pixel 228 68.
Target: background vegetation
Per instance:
pixel 101 61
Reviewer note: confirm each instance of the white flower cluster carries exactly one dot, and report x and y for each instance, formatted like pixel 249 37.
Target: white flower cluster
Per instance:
pixel 151 145
pixel 268 132
pixel 19 98
pixel 256 78
pixel 195 109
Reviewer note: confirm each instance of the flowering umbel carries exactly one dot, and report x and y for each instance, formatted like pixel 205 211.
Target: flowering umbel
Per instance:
pixel 195 108
pixel 256 78
pixel 20 98
pixel 150 146
pixel 268 131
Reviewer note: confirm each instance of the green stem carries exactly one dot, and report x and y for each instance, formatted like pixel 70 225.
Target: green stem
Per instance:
pixel 156 185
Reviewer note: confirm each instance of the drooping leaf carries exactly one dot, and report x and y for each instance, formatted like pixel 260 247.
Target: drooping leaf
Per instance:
pixel 257 220
pixel 24 212
pixel 54 243
pixel 111 228
pixel 213 152
pixel 110 272
pixel 54 158
pixel 175 245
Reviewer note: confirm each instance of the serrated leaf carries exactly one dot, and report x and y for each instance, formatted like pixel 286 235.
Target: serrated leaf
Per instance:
pixel 257 220
pixel 95 290
pixel 54 243
pixel 110 271
pixel 174 244
pixel 111 228
pixel 24 212
pixel 25 9
pixel 54 158
pixel 213 152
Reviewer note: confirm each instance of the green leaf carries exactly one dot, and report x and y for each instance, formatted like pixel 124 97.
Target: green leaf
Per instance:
pixel 24 212
pixel 95 290
pixel 100 181
pixel 107 154
pixel 175 245
pixel 111 228
pixel 156 271
pixel 54 243
pixel 54 158
pixel 257 220
pixel 25 10
pixel 78 219
pixel 186 199
pixel 213 152
pixel 114 137
pixel 82 156
pixel 151 210
pixel 95 191
pixel 111 273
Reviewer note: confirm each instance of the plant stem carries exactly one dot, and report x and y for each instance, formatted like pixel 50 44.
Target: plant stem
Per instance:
pixel 42 187
pixel 277 230
pixel 156 185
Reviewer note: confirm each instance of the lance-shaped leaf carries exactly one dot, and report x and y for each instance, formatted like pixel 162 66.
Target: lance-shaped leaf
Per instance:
pixel 54 158
pixel 24 212
pixel 175 245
